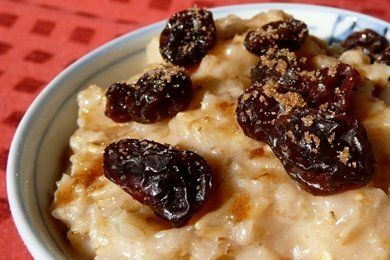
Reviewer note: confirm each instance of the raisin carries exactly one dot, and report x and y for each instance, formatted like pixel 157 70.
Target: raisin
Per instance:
pixel 325 154
pixel 290 34
pixel 158 94
pixel 370 41
pixel 332 87
pixel 256 112
pixel 303 115
pixel 281 66
pixel 173 183
pixel 188 36
pixel 119 102
pixel 384 57
pixel 329 87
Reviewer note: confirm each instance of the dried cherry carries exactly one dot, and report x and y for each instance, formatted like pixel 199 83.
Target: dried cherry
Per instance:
pixel 158 94
pixel 325 154
pixel 290 34
pixel 173 183
pixel 188 36
pixel 370 41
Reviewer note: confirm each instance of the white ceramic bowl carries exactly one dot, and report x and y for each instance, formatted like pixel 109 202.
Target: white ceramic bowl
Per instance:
pixel 38 149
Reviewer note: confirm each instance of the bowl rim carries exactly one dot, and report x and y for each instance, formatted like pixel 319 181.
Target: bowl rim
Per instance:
pixel 19 214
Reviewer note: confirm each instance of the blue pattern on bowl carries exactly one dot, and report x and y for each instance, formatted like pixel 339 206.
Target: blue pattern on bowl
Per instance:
pixel 347 24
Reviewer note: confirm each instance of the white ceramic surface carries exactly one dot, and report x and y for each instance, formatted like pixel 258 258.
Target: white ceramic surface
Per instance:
pixel 41 140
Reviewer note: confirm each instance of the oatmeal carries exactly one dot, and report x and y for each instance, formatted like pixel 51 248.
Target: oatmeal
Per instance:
pixel 255 210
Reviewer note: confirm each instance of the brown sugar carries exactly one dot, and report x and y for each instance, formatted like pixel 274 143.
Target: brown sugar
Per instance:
pixel 256 153
pixel 240 207
pixel 344 155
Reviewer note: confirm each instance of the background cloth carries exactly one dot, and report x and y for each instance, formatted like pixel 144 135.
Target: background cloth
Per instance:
pixel 39 38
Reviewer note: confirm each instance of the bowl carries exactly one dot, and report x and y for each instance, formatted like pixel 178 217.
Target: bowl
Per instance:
pixel 38 150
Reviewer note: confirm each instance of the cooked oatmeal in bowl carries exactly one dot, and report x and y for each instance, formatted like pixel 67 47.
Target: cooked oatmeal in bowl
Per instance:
pixel 240 139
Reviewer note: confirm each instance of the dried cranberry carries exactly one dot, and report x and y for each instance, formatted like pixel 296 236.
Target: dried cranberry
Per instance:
pixel 188 36
pixel 384 57
pixel 290 34
pixel 325 154
pixel 256 112
pixel 158 94
pixel 173 183
pixel 370 41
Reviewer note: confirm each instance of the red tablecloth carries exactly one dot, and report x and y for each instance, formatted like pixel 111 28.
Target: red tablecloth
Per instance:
pixel 39 38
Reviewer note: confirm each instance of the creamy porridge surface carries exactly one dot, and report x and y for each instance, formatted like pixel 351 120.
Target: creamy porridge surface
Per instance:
pixel 256 211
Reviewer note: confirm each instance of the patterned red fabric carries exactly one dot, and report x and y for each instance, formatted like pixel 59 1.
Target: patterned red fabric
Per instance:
pixel 39 38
